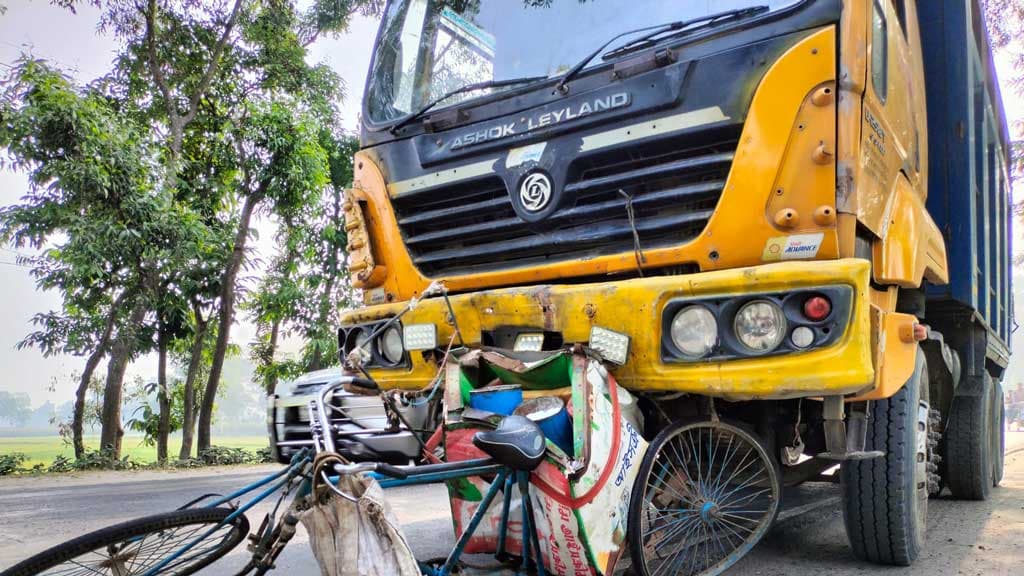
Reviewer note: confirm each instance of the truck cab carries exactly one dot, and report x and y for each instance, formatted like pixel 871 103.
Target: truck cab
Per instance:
pixel 733 203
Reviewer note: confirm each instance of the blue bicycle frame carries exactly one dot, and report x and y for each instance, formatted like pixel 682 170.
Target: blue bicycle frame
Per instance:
pixel 273 483
pixel 504 479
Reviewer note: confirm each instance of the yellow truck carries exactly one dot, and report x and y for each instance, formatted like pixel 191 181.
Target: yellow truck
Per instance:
pixel 783 224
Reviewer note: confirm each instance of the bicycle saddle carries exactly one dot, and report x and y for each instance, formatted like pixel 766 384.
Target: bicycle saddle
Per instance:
pixel 517 442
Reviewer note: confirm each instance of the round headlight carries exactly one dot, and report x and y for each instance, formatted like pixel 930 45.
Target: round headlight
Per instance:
pixel 760 325
pixel 694 331
pixel 361 340
pixel 390 345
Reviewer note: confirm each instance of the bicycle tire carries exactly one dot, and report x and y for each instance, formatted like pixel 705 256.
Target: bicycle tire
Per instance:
pixel 701 501
pixel 69 551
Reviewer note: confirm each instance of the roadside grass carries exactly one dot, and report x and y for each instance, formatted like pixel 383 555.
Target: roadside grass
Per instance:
pixel 43 449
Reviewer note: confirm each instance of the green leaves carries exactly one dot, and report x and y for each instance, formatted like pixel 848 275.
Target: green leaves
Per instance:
pixel 305 284
pixel 138 181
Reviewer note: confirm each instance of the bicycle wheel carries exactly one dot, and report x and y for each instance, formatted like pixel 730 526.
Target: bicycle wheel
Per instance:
pixel 136 546
pixel 706 494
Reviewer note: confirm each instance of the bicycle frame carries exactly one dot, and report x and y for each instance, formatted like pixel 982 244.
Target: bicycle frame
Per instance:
pixel 431 473
pixel 504 479
pixel 274 482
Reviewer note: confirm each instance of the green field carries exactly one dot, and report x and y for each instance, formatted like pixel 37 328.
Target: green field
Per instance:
pixel 43 449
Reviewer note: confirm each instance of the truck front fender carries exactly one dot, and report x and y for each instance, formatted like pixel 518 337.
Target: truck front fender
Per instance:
pixel 911 247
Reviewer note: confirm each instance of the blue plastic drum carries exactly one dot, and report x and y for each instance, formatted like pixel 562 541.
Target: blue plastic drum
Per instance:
pixel 550 414
pixel 502 399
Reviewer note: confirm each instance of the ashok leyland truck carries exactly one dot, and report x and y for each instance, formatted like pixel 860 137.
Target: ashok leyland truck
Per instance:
pixel 783 225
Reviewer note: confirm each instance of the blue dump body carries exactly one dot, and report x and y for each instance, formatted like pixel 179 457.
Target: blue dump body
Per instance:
pixel 968 176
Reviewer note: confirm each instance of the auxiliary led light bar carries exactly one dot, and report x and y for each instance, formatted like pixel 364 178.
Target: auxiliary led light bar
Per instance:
pixel 420 336
pixel 612 346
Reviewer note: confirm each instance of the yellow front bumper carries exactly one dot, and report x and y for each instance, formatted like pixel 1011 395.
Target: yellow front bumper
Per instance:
pixel 634 307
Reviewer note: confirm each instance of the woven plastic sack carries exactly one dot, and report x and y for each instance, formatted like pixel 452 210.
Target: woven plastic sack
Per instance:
pixel 360 538
pixel 580 518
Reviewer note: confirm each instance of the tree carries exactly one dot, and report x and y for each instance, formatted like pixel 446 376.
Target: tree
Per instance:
pixel 283 167
pixel 15 408
pixel 304 285
pixel 276 132
pixel 248 100
pixel 90 205
pixel 89 416
pixel 145 183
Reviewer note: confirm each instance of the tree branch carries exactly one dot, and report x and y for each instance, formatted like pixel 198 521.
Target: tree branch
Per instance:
pixel 158 76
pixel 211 68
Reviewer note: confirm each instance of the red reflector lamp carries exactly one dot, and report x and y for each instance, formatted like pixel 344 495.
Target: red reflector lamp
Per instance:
pixel 817 308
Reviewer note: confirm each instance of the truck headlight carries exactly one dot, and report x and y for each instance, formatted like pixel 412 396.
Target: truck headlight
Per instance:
pixel 694 331
pixel 802 337
pixel 760 325
pixel 390 345
pixel 361 340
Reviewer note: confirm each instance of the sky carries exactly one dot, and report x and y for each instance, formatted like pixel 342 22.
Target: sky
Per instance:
pixel 72 42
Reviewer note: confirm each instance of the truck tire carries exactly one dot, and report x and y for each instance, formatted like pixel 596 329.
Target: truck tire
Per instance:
pixel 999 434
pixel 968 441
pixel 885 499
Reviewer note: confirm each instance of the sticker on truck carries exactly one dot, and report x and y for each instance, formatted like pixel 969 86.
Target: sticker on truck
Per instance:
pixel 795 247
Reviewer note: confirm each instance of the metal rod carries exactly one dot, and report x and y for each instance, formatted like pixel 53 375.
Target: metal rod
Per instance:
pixel 532 532
pixel 460 545
pixel 388 482
pixel 524 493
pixel 258 484
pixel 446 466
pixel 295 443
pixel 503 527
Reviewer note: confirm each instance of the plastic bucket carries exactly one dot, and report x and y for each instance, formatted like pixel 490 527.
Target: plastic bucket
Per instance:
pixel 501 399
pixel 550 414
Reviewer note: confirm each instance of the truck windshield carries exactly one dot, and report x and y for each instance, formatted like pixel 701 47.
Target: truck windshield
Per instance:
pixel 428 48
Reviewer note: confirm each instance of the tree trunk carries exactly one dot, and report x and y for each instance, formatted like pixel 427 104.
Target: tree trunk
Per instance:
pixel 78 418
pixel 275 333
pixel 163 396
pixel 112 432
pixel 226 316
pixel 188 421
pixel 120 353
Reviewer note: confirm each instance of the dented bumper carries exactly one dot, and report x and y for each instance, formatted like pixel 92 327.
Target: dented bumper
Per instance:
pixel 635 307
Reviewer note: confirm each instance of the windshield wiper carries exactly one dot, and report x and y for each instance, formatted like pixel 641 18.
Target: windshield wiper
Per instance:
pixel 655 31
pixel 707 21
pixel 467 88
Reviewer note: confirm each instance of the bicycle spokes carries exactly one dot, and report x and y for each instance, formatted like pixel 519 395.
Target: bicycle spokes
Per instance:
pixel 710 495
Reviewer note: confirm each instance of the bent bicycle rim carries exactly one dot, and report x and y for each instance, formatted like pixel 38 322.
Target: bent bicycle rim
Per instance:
pixel 707 492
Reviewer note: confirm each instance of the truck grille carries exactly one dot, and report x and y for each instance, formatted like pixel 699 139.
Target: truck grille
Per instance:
pixel 471 226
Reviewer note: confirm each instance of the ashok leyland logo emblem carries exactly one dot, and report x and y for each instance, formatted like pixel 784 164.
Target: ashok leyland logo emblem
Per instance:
pixel 535 192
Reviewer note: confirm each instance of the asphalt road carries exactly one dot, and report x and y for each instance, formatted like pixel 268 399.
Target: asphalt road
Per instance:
pixel 963 537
